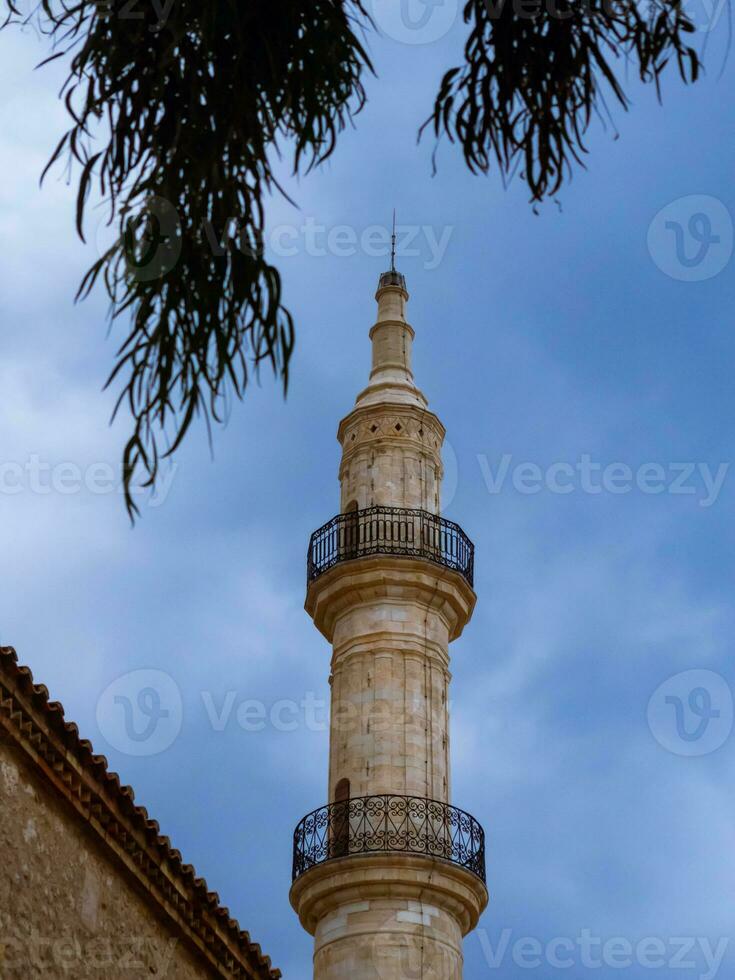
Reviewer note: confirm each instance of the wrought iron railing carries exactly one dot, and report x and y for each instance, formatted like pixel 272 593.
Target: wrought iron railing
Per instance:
pixel 373 824
pixel 390 531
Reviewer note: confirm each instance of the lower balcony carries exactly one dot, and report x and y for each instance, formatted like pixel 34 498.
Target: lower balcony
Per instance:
pixel 380 824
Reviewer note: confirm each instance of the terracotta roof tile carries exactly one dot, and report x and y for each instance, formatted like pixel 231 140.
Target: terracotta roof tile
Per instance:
pixel 27 714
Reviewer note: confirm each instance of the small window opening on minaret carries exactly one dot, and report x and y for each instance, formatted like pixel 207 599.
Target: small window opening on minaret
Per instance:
pixel 351 530
pixel 339 843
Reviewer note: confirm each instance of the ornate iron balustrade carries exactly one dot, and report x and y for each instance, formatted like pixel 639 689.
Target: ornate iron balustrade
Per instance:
pixel 374 824
pixel 390 531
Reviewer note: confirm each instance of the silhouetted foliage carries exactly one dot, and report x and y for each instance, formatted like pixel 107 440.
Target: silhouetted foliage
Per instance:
pixel 176 122
pixel 530 84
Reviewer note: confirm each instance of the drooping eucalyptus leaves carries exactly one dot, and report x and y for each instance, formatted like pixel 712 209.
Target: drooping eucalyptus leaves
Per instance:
pixel 178 108
pixel 535 72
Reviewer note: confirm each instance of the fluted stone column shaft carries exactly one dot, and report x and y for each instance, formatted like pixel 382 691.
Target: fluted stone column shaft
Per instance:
pixel 389 720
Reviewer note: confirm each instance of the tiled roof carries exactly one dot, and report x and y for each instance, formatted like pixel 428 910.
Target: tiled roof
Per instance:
pixel 69 762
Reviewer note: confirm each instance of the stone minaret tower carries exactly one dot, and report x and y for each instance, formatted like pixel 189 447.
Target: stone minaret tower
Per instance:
pixel 388 876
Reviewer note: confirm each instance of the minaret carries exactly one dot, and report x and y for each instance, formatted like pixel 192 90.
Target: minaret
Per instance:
pixel 388 876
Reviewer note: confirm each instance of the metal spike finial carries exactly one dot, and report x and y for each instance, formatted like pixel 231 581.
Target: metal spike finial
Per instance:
pixel 392 277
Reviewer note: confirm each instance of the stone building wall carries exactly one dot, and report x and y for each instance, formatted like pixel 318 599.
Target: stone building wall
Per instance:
pixel 89 886
pixel 67 908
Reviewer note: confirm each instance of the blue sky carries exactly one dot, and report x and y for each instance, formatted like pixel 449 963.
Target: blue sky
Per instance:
pixel 544 339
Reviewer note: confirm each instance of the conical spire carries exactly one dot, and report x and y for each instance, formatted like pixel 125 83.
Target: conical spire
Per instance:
pixel 391 377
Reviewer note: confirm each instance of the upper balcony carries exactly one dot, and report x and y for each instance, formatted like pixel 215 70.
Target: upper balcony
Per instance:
pixel 394 531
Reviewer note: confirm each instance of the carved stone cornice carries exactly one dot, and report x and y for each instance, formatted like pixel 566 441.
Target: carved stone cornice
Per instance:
pixel 372 423
pixel 361 580
pixel 413 877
